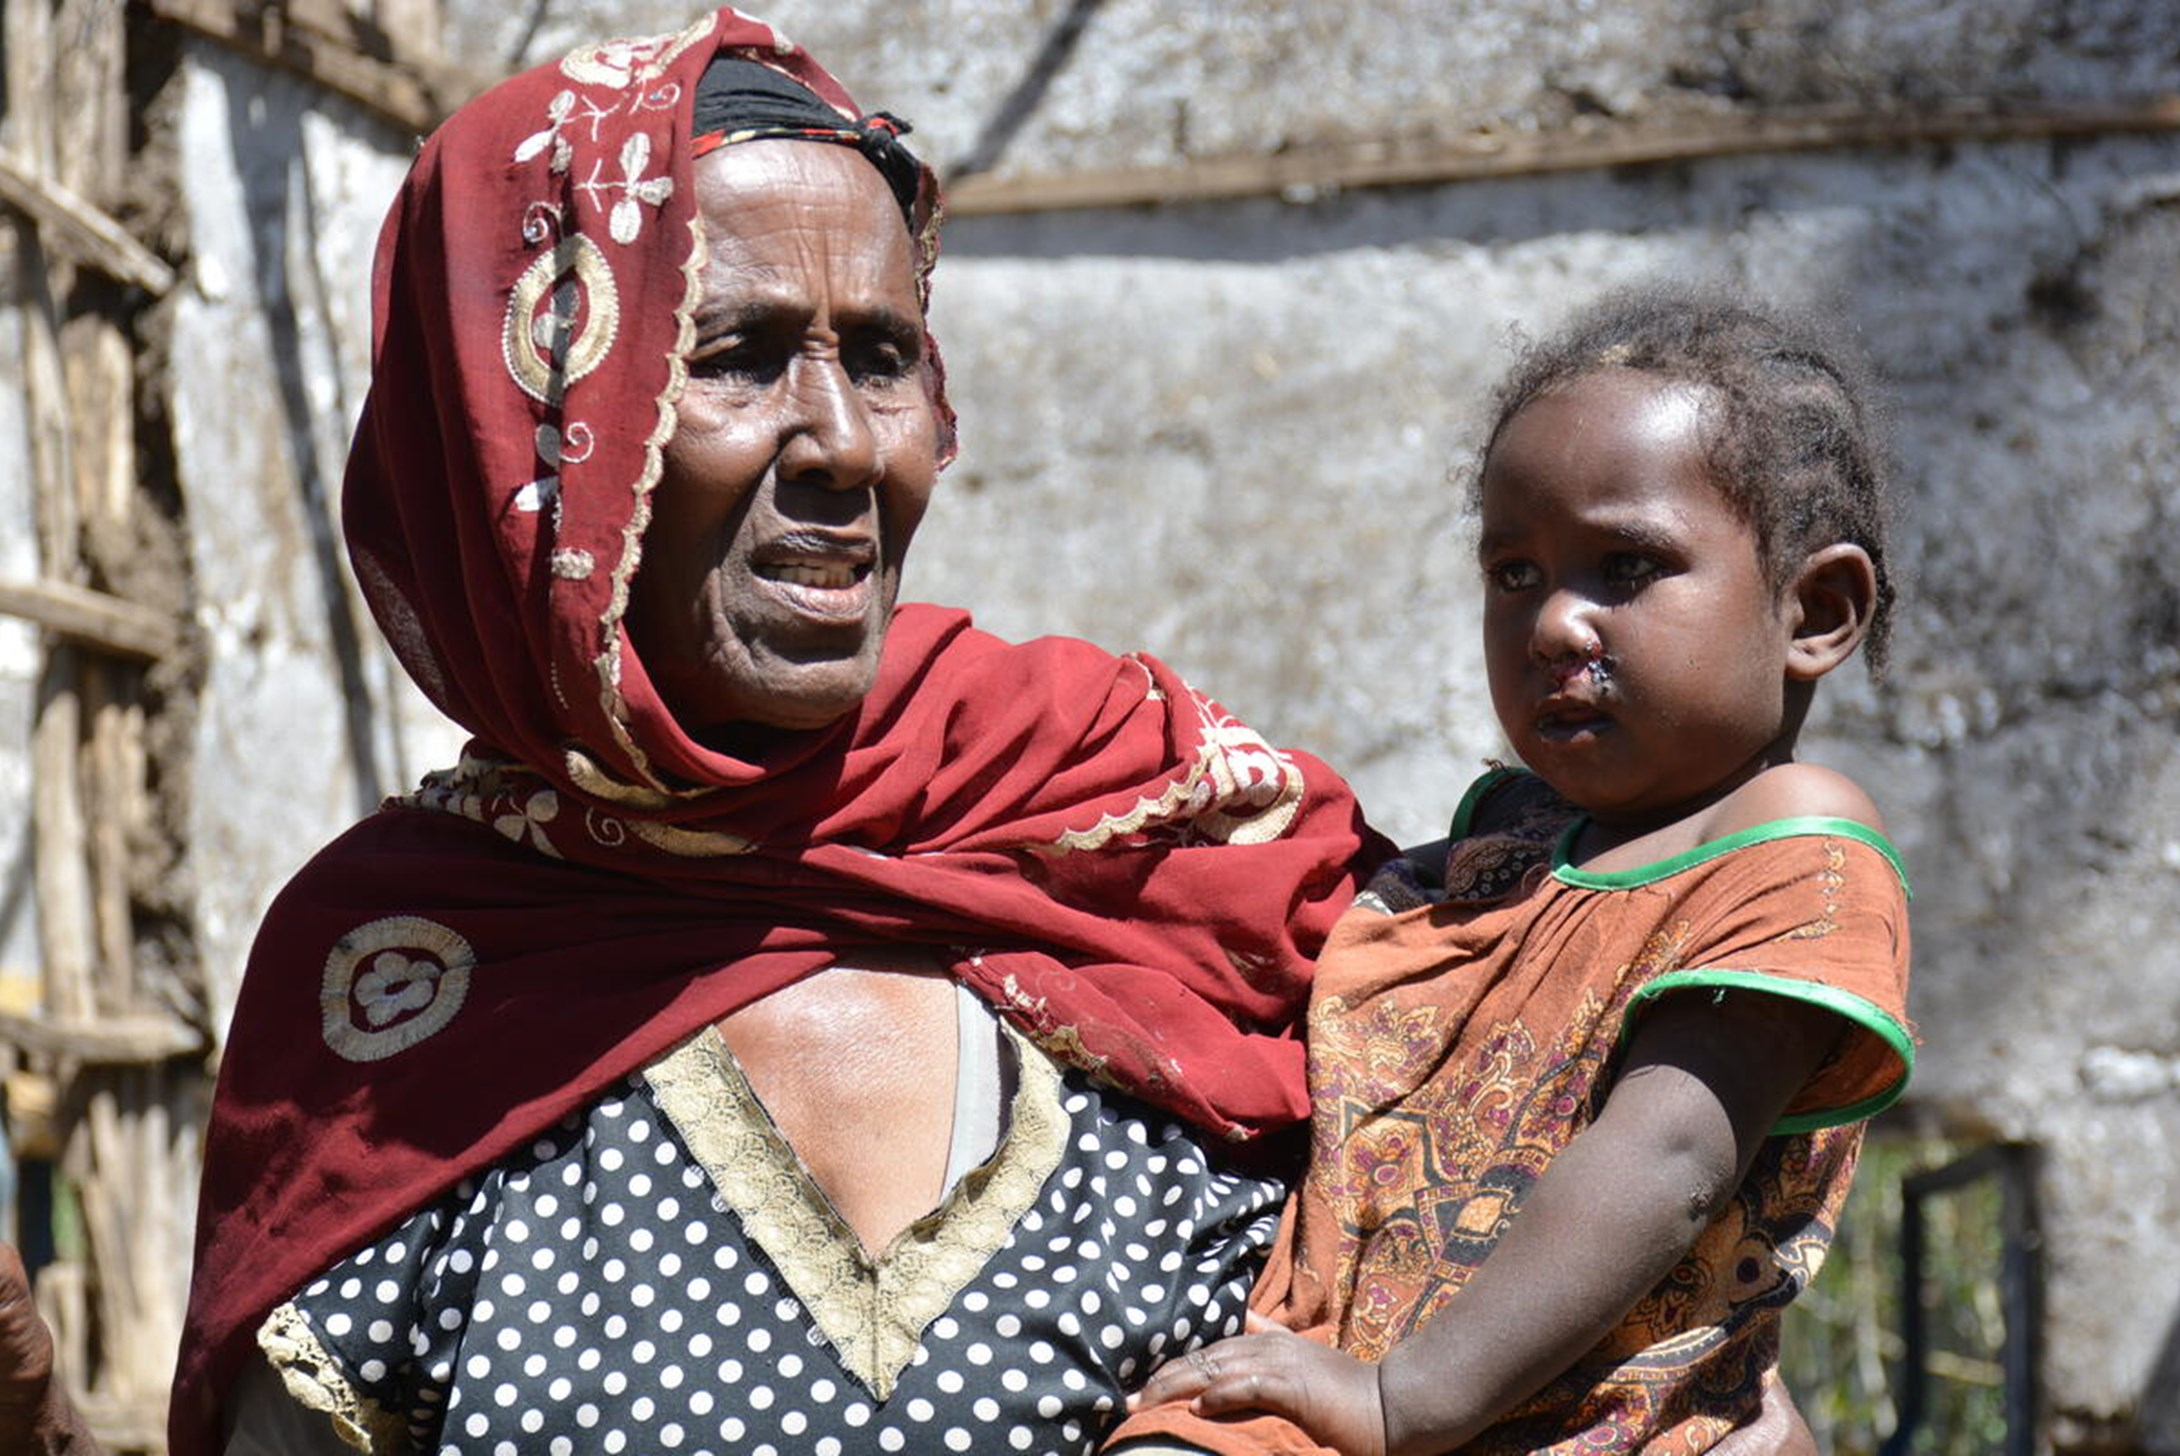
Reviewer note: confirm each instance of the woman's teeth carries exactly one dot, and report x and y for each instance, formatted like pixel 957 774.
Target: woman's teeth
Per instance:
pixel 832 577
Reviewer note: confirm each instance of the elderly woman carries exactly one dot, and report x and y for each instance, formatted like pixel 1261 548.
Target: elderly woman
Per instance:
pixel 798 1023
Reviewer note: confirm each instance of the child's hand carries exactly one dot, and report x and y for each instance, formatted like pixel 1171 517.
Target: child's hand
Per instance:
pixel 1332 1396
pixel 26 1349
pixel 36 1419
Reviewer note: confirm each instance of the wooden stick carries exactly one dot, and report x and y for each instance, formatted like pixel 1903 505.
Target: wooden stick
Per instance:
pixel 60 871
pixel 91 618
pixel 1486 155
pixel 45 387
pixel 60 867
pixel 82 231
pixel 98 365
pixel 137 1424
pixel 111 761
pixel 103 1041
pixel 411 92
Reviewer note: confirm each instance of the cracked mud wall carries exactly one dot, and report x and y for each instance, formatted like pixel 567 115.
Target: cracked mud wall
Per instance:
pixel 1224 431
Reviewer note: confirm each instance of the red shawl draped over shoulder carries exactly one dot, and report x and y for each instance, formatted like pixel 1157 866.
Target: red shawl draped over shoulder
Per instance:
pixel 1130 874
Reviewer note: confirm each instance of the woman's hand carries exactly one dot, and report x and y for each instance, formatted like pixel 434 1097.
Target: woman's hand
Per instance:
pixel 1332 1396
pixel 36 1418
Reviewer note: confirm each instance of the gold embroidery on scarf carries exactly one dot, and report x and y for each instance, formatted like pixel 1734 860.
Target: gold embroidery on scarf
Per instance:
pixel 562 317
pixel 608 662
pixel 592 778
pixel 390 984
pixel 872 1310
pixel 314 1379
pixel 632 61
pixel 1058 1039
pixel 691 843
pixel 1240 790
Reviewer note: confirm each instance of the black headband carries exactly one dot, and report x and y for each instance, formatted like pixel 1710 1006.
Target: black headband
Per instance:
pixel 741 100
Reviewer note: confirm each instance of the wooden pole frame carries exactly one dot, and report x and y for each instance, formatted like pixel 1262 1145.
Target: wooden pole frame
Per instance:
pixel 1484 156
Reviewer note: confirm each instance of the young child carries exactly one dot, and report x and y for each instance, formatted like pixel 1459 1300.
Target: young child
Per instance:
pixel 1588 1080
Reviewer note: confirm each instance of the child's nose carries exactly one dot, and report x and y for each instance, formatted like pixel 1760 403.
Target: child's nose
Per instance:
pixel 1565 634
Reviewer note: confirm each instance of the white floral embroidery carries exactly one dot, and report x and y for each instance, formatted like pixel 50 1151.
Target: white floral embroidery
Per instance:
pixel 624 63
pixel 391 983
pixel 571 445
pixel 597 115
pixel 536 495
pixel 556 115
pixel 554 449
pixel 661 98
pixel 541 224
pixel 394 984
pixel 626 220
pixel 535 811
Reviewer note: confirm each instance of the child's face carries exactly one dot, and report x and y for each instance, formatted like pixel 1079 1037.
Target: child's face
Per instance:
pixel 1636 655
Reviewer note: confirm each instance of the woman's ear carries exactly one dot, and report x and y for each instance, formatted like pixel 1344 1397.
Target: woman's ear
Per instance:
pixel 1832 594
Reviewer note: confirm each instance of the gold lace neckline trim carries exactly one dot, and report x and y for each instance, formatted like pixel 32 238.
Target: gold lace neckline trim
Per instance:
pixel 872 1308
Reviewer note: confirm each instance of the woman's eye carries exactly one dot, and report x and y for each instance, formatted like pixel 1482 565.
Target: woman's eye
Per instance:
pixel 1510 576
pixel 881 362
pixel 720 364
pixel 743 361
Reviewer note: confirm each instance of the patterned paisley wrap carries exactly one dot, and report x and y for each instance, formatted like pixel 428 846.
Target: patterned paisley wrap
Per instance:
pixel 1132 876
pixel 1464 1030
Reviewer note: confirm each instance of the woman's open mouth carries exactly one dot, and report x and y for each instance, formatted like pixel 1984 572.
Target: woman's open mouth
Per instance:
pixel 832 587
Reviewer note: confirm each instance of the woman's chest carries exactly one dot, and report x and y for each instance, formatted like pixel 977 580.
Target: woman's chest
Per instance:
pixel 661 1278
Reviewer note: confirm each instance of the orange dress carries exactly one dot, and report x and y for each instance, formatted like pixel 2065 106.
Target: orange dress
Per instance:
pixel 1461 1034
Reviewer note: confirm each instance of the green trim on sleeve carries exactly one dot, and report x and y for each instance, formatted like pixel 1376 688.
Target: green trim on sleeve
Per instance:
pixel 1860 1010
pixel 1488 780
pixel 1809 825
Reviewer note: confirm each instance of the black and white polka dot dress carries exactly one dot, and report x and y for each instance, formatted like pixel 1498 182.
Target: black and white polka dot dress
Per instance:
pixel 660 1275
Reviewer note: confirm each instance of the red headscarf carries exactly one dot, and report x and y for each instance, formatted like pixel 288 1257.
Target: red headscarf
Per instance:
pixel 1130 874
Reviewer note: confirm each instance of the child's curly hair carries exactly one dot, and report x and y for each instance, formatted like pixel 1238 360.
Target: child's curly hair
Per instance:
pixel 1797 441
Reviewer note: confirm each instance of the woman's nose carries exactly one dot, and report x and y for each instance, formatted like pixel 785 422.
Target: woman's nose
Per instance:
pixel 831 441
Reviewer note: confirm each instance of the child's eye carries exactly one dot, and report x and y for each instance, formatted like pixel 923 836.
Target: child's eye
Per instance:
pixel 1632 568
pixel 1511 576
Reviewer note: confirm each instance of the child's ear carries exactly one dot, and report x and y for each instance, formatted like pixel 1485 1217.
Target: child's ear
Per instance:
pixel 1832 597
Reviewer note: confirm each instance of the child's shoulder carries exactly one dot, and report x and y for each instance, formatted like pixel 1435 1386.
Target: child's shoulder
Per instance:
pixel 1792 791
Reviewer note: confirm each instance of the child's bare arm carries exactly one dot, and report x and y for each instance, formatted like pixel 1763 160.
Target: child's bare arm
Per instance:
pixel 1703 1083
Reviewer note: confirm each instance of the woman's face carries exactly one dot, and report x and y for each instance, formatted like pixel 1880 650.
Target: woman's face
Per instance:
pixel 806 451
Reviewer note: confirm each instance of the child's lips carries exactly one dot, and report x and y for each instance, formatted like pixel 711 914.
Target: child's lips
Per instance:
pixel 1562 719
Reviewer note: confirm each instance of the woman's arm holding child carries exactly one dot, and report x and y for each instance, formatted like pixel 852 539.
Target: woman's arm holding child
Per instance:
pixel 1702 1085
